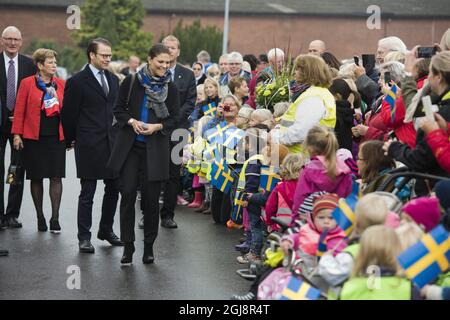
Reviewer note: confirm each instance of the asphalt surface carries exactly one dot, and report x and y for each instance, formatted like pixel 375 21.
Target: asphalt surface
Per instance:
pixel 195 261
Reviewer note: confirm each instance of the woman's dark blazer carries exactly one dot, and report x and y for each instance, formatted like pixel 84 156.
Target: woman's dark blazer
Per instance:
pixel 158 144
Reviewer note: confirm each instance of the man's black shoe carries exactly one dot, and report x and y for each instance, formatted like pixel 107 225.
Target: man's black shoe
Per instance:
pixel 3 224
pixel 13 223
pixel 3 252
pixel 148 256
pixel 86 246
pixel 110 237
pixel 169 224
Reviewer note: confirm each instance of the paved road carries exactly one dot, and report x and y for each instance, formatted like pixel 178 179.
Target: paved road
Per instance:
pixel 195 261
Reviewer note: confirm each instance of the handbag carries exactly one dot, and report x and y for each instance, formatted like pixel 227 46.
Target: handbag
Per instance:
pixel 15 172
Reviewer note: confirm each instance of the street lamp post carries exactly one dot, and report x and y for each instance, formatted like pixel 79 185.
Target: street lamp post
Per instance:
pixel 225 27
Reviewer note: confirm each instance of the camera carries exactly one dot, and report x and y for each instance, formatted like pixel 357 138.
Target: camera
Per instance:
pixel 226 107
pixel 387 78
pixel 426 52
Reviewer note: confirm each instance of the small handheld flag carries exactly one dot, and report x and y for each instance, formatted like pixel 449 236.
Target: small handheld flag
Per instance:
pixel 356 189
pixel 221 176
pixel 391 98
pixel 344 214
pixel 269 178
pixel 232 137
pixel 211 152
pixel 425 260
pixel 322 246
pixel 210 109
pixel 238 209
pixel 299 290
pixel 216 134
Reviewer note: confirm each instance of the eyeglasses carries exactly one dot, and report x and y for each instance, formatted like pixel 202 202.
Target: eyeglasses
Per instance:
pixel 234 64
pixel 12 39
pixel 104 56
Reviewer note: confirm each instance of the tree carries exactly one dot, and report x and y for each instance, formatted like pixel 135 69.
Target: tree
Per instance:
pixel 71 58
pixel 119 21
pixel 194 38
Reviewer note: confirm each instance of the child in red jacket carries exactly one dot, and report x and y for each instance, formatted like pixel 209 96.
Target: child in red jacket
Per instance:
pixel 281 199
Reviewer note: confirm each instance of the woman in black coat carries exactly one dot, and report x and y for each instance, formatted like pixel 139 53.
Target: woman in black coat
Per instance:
pixel 145 125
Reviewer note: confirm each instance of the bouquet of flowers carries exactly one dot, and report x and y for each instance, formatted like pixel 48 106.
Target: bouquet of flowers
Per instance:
pixel 274 89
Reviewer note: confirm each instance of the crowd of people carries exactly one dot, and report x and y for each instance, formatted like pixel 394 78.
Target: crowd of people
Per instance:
pixel 171 135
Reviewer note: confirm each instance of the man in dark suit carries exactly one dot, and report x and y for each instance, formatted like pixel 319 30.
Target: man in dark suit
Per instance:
pixel 13 68
pixel 184 80
pixel 87 116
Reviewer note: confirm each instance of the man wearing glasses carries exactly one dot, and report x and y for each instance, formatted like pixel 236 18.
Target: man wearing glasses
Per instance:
pixel 13 68
pixel 235 69
pixel 87 116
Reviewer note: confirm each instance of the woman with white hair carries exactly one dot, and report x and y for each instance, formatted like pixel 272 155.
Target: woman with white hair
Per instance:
pixel 378 121
pixel 387 45
pixel 235 70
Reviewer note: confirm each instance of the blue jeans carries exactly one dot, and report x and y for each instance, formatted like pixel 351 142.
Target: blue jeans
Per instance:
pixel 257 226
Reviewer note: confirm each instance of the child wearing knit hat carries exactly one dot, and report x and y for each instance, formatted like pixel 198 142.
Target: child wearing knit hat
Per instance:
pixel 370 210
pixel 305 244
pixel 424 211
pixel 319 220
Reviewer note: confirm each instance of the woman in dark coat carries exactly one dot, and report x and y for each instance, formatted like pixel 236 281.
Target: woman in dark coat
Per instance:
pixel 145 125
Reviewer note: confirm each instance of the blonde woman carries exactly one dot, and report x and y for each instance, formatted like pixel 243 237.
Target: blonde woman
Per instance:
pixel 379 249
pixel 315 105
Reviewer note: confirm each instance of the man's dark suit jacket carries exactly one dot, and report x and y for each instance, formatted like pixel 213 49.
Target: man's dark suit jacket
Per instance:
pixel 184 81
pixel 26 69
pixel 87 116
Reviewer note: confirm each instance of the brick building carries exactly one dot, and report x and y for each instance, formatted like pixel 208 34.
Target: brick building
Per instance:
pixel 257 25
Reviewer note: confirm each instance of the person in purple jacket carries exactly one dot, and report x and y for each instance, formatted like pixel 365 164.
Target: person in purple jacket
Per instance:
pixel 325 172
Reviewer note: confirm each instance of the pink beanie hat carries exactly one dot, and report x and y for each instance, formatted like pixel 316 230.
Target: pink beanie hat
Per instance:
pixel 424 211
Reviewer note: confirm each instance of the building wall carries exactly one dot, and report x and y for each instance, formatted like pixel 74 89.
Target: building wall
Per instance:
pixel 345 37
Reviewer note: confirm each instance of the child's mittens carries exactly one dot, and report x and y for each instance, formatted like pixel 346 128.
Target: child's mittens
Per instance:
pixel 431 292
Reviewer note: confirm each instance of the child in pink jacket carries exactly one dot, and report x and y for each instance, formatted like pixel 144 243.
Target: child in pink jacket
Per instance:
pixel 281 198
pixel 325 172
pixel 305 243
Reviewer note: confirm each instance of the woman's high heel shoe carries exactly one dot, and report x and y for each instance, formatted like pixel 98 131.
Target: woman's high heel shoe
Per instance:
pixel 148 254
pixel 42 224
pixel 128 251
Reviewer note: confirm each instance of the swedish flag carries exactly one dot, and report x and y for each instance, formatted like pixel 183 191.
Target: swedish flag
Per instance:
pixel 216 134
pixel 391 98
pixel 322 246
pixel 238 209
pixel 221 176
pixel 232 137
pixel 211 152
pixel 344 214
pixel 299 290
pixel 210 109
pixel 356 189
pixel 269 178
pixel 425 260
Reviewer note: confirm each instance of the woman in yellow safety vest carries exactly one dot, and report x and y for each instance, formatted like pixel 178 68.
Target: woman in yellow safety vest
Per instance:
pixel 315 105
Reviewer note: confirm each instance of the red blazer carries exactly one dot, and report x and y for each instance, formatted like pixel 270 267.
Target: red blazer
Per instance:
pixel 27 111
pixel 405 132
pixel 439 142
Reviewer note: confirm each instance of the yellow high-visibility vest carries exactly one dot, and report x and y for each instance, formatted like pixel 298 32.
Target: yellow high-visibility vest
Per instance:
pixel 329 120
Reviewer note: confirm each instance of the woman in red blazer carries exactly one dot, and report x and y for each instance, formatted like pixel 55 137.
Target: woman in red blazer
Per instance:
pixel 37 130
